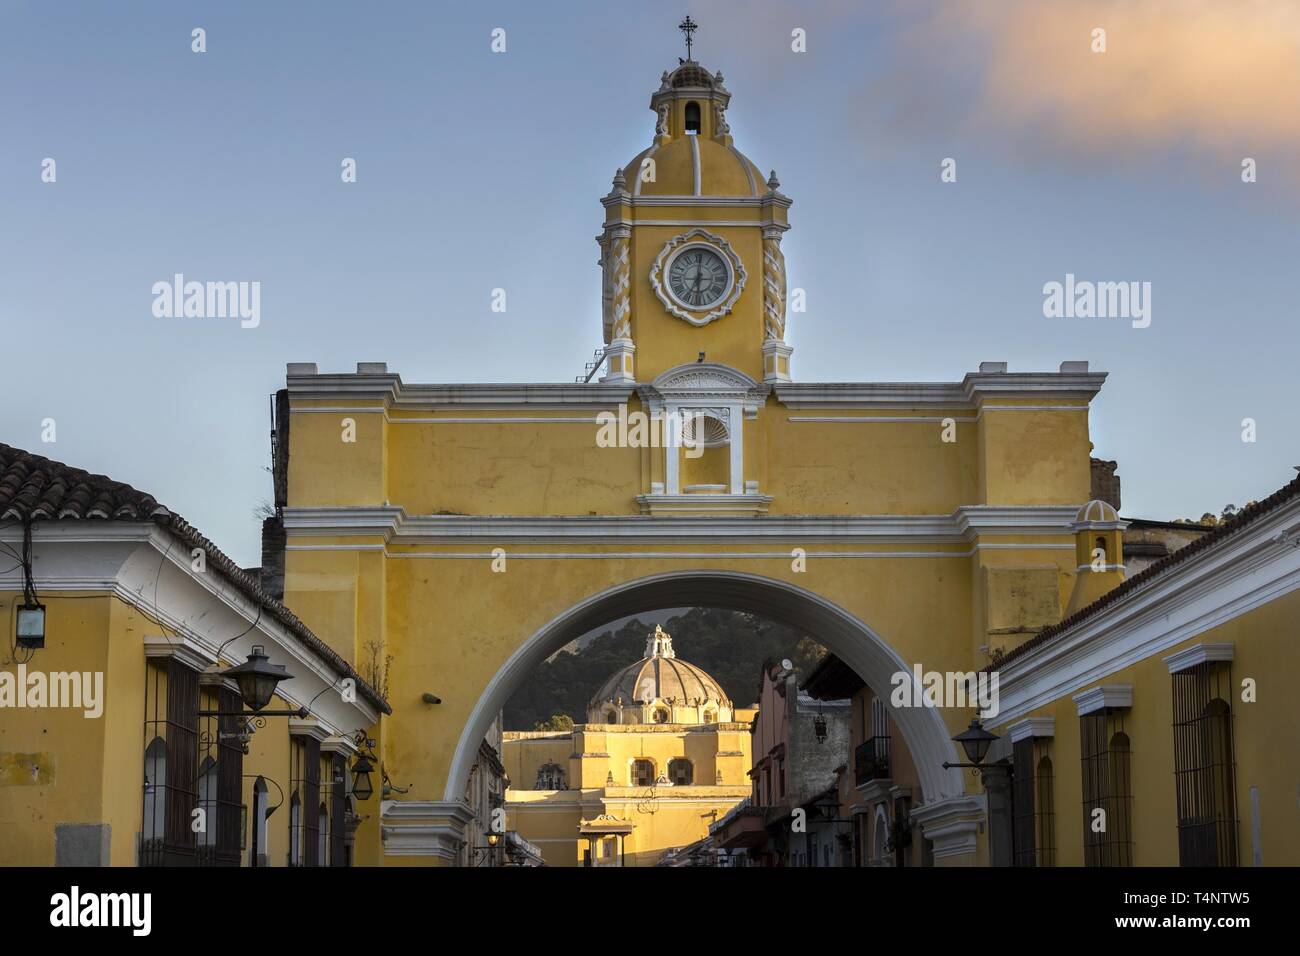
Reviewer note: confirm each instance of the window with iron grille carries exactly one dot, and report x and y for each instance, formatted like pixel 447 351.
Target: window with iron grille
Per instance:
pixel 338 810
pixel 680 771
pixel 1032 798
pixel 1107 786
pixel 324 828
pixel 1204 771
pixel 304 783
pixel 550 776
pixel 171 765
pixel 220 778
pixel 643 773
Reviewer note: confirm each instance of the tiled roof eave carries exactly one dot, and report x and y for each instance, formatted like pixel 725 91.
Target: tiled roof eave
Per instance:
pixel 36 488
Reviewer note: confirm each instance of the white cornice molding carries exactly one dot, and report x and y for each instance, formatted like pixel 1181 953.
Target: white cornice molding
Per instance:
pixel 394 393
pixel 1197 654
pixel 1032 727
pixel 732 202
pixel 974 520
pixel 1236 576
pixel 974 389
pixel 966 524
pixel 799 395
pixel 344 746
pixel 1075 385
pixel 1103 697
pixel 308 727
pixel 191 652
pixel 713 504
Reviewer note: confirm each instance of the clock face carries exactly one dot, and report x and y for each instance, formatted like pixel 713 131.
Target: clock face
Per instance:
pixel 698 278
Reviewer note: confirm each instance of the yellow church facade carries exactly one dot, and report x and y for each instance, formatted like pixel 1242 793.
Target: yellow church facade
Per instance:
pixel 661 755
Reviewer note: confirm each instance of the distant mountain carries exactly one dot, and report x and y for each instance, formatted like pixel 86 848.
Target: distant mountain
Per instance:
pixel 729 645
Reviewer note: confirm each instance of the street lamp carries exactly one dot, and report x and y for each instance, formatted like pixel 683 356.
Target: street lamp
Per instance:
pixel 257 678
pixel 362 788
pixel 975 741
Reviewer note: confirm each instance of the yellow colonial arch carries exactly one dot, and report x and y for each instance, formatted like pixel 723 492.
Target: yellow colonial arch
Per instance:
pixel 465 531
pixel 842 633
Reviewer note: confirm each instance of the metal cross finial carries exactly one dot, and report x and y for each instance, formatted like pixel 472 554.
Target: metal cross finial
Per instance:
pixel 688 26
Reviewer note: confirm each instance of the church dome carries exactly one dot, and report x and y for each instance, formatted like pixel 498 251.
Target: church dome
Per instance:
pixel 690 73
pixel 1096 512
pixel 694 166
pixel 659 689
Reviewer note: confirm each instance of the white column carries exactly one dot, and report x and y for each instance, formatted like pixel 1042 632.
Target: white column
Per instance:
pixel 672 442
pixel 736 442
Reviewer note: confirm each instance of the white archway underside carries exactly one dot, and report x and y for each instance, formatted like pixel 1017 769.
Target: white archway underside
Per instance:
pixel 923 729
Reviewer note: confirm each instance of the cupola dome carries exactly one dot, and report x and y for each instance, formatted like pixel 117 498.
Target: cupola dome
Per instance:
pixel 661 688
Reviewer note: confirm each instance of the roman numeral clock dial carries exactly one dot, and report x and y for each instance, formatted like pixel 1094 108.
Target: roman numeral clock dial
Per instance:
pixel 698 278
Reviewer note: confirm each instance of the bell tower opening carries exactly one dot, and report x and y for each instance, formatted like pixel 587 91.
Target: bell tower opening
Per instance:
pixel 692 124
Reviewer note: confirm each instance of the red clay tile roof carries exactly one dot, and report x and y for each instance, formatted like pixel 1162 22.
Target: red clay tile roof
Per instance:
pixel 41 489
pixel 1214 538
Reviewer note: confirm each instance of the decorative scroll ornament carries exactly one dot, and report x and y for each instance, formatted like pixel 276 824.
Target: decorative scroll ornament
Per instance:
pixel 698 237
pixel 720 126
pixel 620 284
pixel 661 127
pixel 773 288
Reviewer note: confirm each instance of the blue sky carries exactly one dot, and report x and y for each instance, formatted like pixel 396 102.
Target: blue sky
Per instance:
pixel 225 165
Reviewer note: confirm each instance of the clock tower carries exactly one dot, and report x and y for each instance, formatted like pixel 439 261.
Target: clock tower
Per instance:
pixel 691 247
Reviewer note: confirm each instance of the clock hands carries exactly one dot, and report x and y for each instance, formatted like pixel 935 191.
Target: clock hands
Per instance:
pixel 694 287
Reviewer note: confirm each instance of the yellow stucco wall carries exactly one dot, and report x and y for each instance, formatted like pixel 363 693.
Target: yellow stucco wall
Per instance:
pixel 1266 742
pixel 58 766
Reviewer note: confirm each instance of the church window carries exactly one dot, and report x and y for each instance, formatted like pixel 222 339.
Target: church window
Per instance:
pixel 660 715
pixel 1100 545
pixel 611 718
pixel 550 776
pixel 680 772
pixel 643 773
pixel 692 117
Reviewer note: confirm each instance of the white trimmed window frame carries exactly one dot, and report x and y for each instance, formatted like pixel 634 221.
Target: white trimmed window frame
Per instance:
pixel 1103 697
pixel 1197 654
pixel 713 391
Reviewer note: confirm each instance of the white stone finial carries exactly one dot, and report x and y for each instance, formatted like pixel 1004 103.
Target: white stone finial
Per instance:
pixel 659 644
